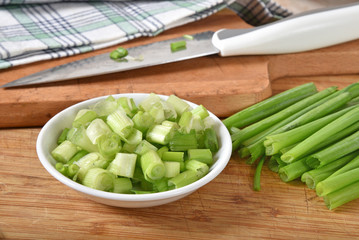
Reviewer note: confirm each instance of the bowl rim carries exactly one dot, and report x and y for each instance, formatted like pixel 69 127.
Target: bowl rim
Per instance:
pixel 222 161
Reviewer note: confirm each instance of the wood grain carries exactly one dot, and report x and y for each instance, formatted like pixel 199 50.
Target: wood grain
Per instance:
pixel 33 205
pixel 223 85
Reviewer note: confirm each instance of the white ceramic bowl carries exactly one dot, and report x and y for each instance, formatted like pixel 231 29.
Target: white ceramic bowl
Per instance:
pixel 47 138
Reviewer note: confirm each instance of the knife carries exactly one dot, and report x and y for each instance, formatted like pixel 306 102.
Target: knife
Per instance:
pixel 298 33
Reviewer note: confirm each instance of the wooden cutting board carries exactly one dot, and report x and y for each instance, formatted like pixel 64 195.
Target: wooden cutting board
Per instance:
pixel 223 85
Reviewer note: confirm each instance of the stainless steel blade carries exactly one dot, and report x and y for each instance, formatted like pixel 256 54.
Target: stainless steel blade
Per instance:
pixel 153 54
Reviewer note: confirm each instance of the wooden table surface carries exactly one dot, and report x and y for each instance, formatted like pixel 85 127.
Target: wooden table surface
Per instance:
pixel 33 205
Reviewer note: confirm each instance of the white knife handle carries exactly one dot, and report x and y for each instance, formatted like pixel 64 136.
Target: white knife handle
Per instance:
pixel 299 33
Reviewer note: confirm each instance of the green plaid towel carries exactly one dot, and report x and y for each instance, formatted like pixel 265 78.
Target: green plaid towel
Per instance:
pixel 36 30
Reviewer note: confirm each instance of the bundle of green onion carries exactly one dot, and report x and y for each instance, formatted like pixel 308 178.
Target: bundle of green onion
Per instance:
pixel 117 146
pixel 307 134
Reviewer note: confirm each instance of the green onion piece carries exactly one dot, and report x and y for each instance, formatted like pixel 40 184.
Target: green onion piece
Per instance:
pixel 326 132
pixel 149 101
pixel 160 185
pixel 141 191
pixel 200 111
pixel 128 148
pixel 159 134
pixel 162 150
pixel 181 142
pixel 183 179
pixel 335 183
pixel 211 140
pixel 152 166
pixel 123 165
pixel 134 138
pixel 143 121
pixel 109 145
pixel 79 137
pixel 144 147
pixel 198 124
pixel 342 196
pixel 269 106
pixel 178 46
pixel 61 168
pixel 96 129
pixel 128 105
pixel 85 163
pixel 120 123
pixel 172 169
pixel 122 185
pixel 169 111
pixel 118 53
pixel 77 156
pixel 276 118
pixel 72 170
pixel 185 122
pixel 202 155
pixel 313 177
pixel 257 175
pixel 83 117
pixel 105 107
pixel 157 112
pixel 178 104
pixel 63 136
pixel 294 170
pixel 64 152
pixel 199 167
pixel 173 156
pixel 335 151
pixel 189 37
pixel 98 178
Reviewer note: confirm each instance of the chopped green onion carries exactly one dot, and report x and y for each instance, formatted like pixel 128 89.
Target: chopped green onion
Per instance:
pixel 128 105
pixel 172 169
pixel 61 168
pixel 189 37
pixel 85 163
pixel 118 53
pixel 181 142
pixel 178 46
pixel 143 121
pixel 120 123
pixel 123 165
pixel 199 167
pixel 178 104
pixel 96 129
pixel 109 145
pixel 210 139
pixel 64 152
pixel 173 156
pixel 63 136
pixel 105 107
pixel 202 155
pixel 144 147
pixel 83 117
pixel 200 111
pixel 159 134
pixel 79 137
pixel 183 179
pixel 98 178
pixel 122 185
pixel 152 166
pixel 162 150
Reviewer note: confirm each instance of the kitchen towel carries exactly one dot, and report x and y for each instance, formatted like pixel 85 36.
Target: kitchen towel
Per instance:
pixel 36 30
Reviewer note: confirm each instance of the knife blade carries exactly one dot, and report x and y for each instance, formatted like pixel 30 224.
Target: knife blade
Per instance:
pixel 302 32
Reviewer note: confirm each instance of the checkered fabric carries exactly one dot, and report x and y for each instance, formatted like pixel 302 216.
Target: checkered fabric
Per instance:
pixel 36 30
